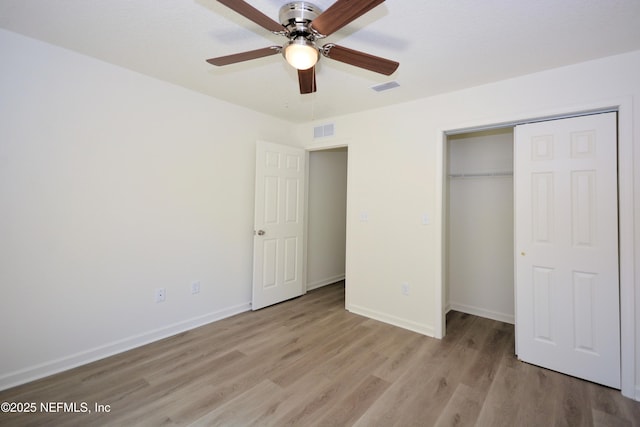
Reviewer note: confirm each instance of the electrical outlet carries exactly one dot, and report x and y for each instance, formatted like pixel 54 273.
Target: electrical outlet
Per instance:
pixel 195 287
pixel 161 294
pixel 405 288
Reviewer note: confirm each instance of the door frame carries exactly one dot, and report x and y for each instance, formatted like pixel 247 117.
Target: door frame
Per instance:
pixel 623 106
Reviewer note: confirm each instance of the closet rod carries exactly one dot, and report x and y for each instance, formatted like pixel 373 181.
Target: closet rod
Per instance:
pixel 479 175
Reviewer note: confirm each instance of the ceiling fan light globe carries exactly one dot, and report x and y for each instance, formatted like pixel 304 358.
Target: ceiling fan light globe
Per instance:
pixel 301 54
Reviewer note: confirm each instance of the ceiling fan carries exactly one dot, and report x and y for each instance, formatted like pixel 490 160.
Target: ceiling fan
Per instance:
pixel 304 24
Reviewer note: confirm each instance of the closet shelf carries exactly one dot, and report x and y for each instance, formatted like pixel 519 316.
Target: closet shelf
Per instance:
pixel 481 174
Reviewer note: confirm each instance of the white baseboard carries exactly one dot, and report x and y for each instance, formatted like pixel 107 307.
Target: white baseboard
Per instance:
pixel 477 311
pixel 42 370
pixel 325 282
pixel 393 320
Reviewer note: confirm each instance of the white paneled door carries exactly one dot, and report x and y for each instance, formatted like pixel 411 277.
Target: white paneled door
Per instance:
pixel 279 224
pixel 566 214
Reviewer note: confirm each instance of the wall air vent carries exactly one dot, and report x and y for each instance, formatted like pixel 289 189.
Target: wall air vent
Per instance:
pixel 323 131
pixel 385 86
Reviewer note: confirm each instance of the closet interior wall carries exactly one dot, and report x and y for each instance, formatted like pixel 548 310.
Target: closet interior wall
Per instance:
pixel 480 233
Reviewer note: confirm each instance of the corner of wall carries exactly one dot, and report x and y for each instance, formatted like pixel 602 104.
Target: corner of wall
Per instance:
pixel 423 329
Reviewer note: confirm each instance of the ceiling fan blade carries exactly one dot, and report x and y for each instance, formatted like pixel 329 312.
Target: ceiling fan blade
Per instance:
pixel 253 14
pixel 244 56
pixel 341 13
pixel 360 59
pixel 307 80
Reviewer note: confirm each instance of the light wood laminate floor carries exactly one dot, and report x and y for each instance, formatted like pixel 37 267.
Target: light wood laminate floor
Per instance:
pixel 309 362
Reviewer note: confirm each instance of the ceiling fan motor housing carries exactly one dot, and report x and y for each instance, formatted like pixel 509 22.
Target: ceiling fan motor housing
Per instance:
pixel 296 17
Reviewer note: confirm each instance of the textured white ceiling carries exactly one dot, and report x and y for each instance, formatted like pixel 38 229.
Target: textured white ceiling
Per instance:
pixel 442 45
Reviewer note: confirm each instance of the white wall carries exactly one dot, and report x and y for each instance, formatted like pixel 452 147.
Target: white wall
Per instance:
pixel 326 216
pixel 395 174
pixel 480 224
pixel 113 184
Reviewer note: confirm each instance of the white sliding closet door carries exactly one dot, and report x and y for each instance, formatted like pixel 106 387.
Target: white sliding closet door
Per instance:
pixel 567 286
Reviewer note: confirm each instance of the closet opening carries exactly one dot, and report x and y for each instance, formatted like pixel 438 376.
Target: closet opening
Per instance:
pixel 624 175
pixel 479 217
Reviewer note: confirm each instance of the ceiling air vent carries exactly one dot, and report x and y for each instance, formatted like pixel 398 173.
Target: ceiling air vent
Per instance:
pixel 385 86
pixel 323 131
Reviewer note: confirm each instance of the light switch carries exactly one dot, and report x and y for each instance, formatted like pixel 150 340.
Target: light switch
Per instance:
pixel 364 216
pixel 425 219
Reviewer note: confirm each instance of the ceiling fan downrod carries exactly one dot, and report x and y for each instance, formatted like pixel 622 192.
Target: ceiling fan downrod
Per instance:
pixel 296 17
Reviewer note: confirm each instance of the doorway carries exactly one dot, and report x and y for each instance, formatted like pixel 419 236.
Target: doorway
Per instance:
pixel 326 217
pixel 300 221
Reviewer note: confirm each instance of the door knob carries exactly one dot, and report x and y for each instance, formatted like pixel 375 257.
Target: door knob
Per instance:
pixel 261 232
